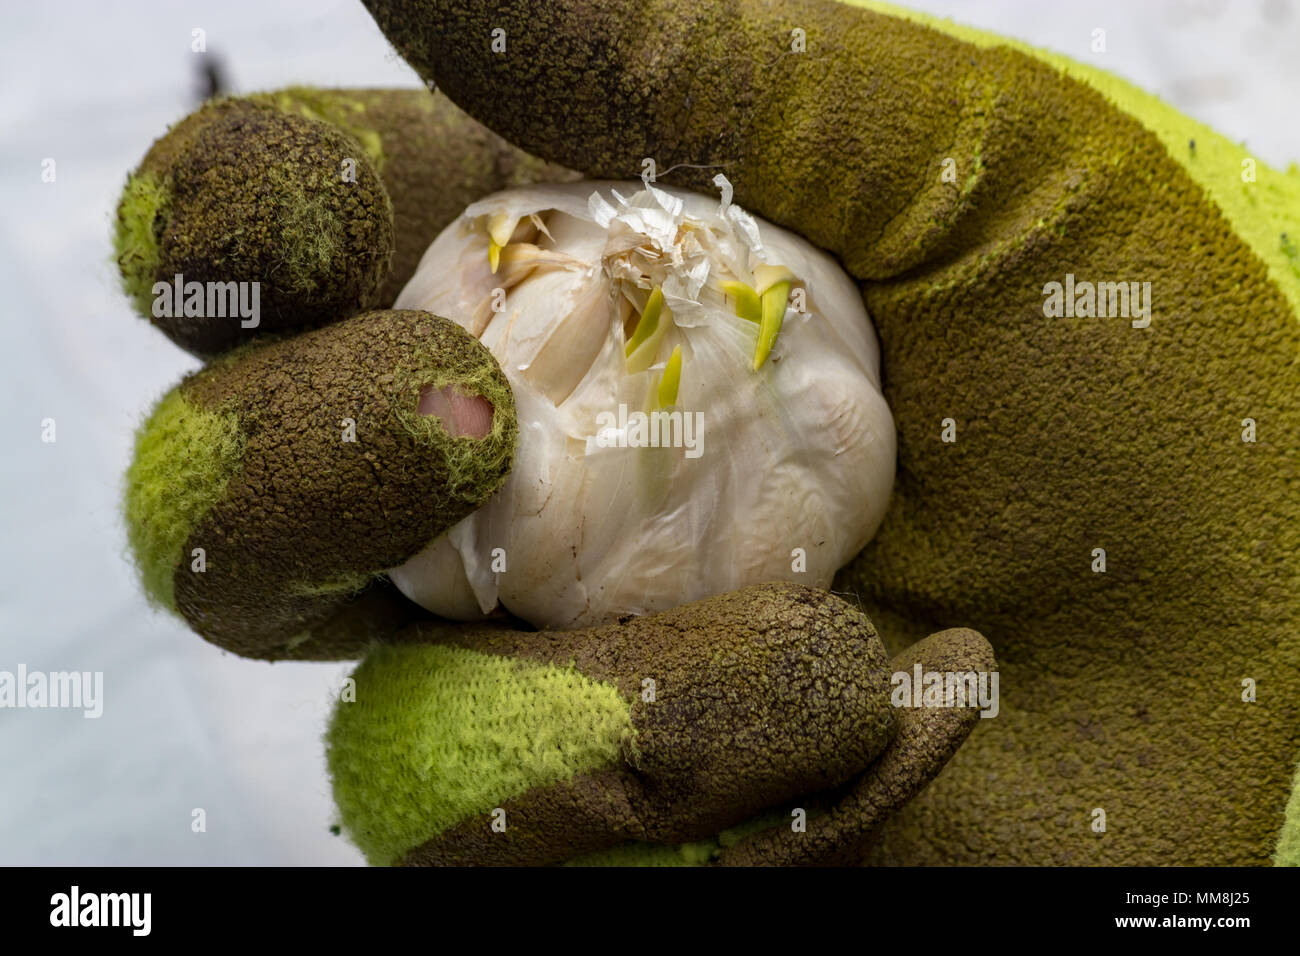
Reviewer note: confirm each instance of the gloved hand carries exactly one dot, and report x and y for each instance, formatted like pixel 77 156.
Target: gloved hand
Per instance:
pixel 1087 307
pixel 270 491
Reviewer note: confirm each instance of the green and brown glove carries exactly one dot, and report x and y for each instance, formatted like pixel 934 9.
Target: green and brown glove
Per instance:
pixel 1087 305
pixel 326 198
pixel 1087 308
pixel 271 490
pixel 754 727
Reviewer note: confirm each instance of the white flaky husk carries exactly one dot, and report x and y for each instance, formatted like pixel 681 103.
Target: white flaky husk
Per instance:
pixel 790 476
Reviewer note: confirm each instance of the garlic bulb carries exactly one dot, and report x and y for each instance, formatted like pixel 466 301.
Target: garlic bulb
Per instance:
pixel 698 396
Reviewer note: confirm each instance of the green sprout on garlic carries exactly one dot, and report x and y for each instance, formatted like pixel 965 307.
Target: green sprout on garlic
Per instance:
pixel 763 304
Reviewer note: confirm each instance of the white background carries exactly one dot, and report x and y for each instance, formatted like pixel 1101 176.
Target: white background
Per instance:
pixel 91 84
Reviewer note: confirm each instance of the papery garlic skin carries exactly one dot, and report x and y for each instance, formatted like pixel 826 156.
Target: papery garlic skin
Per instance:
pixel 792 470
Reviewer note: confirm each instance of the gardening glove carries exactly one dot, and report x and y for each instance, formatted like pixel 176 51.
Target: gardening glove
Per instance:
pixel 270 490
pixel 1087 305
pixel 753 727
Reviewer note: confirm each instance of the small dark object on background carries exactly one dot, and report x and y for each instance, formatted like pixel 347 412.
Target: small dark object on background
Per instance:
pixel 211 77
